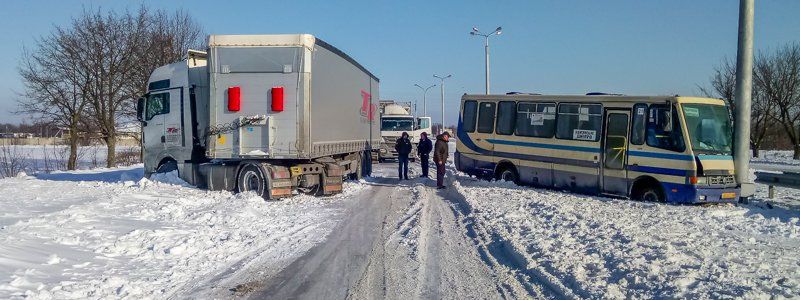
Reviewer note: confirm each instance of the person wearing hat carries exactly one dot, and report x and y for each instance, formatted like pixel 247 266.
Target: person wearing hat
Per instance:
pixel 440 154
pixel 403 148
pixel 424 152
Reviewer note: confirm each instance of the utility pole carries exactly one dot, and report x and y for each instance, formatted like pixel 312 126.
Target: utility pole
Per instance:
pixel 424 103
pixel 486 36
pixel 744 89
pixel 441 128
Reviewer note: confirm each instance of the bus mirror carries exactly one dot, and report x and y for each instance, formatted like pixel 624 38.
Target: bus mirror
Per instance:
pixel 140 109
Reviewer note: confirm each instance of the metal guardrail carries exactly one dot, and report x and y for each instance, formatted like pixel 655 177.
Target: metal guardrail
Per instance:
pixel 785 179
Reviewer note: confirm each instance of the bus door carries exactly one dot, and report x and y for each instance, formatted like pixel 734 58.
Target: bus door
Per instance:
pixel 614 174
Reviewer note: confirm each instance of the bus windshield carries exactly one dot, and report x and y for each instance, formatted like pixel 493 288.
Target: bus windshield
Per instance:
pixel 709 128
pixel 397 124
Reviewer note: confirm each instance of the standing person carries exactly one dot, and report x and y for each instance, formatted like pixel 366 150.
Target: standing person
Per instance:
pixel 440 154
pixel 424 151
pixel 403 148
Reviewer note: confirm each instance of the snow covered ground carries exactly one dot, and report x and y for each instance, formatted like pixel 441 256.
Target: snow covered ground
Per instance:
pixel 47 158
pixel 594 247
pixel 109 233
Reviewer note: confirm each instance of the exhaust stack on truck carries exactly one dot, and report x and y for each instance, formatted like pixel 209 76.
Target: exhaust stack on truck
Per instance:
pixel 264 113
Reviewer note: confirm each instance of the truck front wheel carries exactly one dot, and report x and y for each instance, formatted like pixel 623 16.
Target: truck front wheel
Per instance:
pixel 251 178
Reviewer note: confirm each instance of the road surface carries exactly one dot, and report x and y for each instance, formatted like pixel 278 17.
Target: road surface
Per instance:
pixel 402 240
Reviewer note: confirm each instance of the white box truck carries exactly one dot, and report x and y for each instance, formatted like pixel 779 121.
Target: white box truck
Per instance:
pixel 264 113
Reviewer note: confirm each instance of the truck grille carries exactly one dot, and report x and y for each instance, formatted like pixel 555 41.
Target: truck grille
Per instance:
pixel 721 180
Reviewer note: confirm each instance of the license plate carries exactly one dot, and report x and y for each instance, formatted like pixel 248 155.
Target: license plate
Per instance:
pixel 728 195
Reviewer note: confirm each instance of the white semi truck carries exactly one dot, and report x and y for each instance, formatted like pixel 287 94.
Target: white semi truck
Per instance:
pixel 264 113
pixel 396 118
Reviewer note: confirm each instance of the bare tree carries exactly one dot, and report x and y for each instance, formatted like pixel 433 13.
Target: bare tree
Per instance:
pixel 121 50
pixel 723 85
pixel 55 86
pixel 778 75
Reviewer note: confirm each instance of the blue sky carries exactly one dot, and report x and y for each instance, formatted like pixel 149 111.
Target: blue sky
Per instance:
pixel 549 47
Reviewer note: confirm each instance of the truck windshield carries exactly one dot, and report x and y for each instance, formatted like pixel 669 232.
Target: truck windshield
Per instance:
pixel 397 124
pixel 709 128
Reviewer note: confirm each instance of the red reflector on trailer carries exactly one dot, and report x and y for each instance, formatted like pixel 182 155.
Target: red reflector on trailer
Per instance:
pixel 277 98
pixel 234 98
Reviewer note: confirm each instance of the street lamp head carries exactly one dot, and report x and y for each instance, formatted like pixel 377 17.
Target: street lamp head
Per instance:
pixel 472 33
pixel 474 29
pixel 448 76
pixel 499 30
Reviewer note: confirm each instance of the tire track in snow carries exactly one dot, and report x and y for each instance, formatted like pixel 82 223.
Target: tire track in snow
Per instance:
pixel 495 251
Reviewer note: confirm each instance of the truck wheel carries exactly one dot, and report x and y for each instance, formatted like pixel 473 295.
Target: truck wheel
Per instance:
pixel 167 167
pixel 251 178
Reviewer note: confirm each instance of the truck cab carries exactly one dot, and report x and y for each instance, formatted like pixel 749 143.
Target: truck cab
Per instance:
pixel 396 118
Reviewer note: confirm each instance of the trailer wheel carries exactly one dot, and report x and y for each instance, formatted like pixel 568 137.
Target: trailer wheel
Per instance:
pixel 358 174
pixel 251 178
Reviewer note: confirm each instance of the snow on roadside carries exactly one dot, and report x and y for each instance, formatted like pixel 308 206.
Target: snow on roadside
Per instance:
pixel 112 233
pixel 609 248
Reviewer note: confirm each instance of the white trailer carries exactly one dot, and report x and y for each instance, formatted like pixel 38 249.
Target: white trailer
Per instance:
pixel 263 113
pixel 396 118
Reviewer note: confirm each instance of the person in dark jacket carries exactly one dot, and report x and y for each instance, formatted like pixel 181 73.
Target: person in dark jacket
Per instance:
pixel 403 148
pixel 424 152
pixel 440 154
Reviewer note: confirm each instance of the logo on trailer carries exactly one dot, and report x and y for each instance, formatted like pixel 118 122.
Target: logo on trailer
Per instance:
pixel 367 109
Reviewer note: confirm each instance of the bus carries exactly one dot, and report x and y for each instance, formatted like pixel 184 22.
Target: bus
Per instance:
pixel 654 148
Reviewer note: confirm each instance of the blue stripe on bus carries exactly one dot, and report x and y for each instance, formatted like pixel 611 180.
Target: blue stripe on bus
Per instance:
pixel 464 139
pixel 661 155
pixel 715 157
pixel 545 146
pixel 657 170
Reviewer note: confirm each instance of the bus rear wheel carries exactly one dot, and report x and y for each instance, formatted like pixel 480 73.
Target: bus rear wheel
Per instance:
pixel 509 174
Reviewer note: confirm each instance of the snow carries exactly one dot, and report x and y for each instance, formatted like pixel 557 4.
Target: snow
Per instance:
pixel 47 158
pixel 595 247
pixel 109 233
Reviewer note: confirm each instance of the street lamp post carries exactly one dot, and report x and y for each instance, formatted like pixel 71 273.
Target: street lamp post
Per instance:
pixel 442 78
pixel 485 36
pixel 424 93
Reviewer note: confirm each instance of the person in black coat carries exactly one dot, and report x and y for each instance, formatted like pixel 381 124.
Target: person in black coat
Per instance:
pixel 403 148
pixel 424 152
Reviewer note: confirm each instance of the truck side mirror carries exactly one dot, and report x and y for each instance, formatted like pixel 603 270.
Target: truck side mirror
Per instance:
pixel 140 104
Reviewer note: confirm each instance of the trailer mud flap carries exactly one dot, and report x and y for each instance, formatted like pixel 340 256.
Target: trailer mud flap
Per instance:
pixel 332 185
pixel 281 188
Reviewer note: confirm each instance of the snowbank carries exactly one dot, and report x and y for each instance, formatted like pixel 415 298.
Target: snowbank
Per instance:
pixel 608 248
pixel 111 233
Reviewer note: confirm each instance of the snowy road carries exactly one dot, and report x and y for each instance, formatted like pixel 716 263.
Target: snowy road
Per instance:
pixel 405 241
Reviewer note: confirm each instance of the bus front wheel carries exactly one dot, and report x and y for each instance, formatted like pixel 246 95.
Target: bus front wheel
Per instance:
pixel 651 193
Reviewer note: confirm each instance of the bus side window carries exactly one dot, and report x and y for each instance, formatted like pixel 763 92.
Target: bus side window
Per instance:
pixel 579 121
pixel 486 117
pixel 657 137
pixel 468 117
pixel 638 124
pixel 506 117
pixel 536 119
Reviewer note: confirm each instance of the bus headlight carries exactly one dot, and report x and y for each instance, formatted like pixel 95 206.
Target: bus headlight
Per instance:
pixel 702 180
